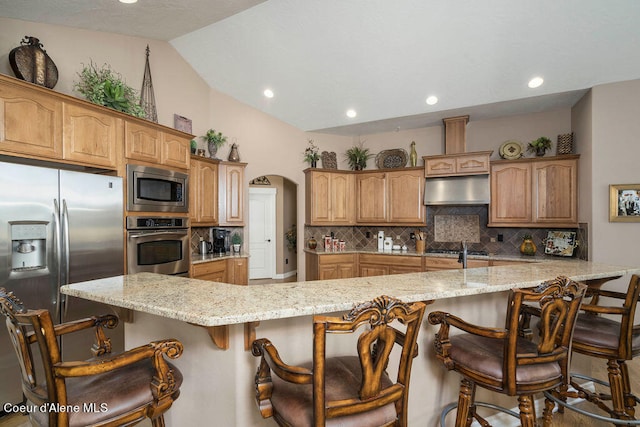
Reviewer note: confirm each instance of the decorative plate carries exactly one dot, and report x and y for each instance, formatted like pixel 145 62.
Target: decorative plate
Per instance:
pixel 511 150
pixel 561 243
pixel 388 159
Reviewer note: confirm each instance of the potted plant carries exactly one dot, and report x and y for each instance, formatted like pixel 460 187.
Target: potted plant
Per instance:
pixel 236 241
pixel 311 155
pixel 194 146
pixel 214 141
pixel 105 87
pixel 357 157
pixel 292 236
pixel 539 146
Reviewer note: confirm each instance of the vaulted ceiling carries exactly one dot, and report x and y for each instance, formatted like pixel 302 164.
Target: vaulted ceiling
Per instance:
pixel 380 58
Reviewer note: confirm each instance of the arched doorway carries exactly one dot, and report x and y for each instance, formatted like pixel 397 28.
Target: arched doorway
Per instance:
pixel 272 219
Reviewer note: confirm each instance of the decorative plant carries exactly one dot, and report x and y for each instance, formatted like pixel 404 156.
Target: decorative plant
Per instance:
pixel 539 146
pixel 215 138
pixel 194 146
pixel 236 239
pixel 357 156
pixel 311 155
pixel 526 237
pixel 105 87
pixel 292 237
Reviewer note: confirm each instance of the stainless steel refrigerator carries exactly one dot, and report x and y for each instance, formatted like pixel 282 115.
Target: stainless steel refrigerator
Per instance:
pixel 56 227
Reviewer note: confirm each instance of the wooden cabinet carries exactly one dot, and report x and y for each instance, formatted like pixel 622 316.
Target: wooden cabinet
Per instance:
pixel 153 145
pixel 203 192
pixel 382 265
pixel 30 122
pixel 329 198
pixel 534 192
pixel 238 271
pixel 215 271
pixel 231 197
pixel 390 197
pixel 90 136
pixel 229 270
pixel 443 263
pixel 330 266
pixel 458 164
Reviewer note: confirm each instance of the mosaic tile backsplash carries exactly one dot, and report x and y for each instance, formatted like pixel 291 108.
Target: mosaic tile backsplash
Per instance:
pixel 445 227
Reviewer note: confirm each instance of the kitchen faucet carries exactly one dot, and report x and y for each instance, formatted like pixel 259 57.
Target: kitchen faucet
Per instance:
pixel 462 257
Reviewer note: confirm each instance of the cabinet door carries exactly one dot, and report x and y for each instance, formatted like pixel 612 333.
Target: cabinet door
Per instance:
pixel 369 270
pixel 510 194
pixel 555 190
pixel 346 270
pixel 318 189
pixel 371 198
pixel 472 164
pixel 203 193
pixel 141 143
pixel 341 209
pixel 238 271
pixel 440 166
pixel 214 271
pixel 231 203
pixel 398 269
pixel 90 136
pixel 175 151
pixel 405 197
pixel 30 123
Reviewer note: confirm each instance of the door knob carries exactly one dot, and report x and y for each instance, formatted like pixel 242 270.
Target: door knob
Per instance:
pixel 268 240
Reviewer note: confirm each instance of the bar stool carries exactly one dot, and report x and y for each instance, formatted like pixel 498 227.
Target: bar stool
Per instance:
pixel 503 359
pixel 108 390
pixel 614 338
pixel 347 390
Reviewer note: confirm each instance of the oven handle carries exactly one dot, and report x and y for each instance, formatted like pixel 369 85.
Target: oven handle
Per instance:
pixel 157 233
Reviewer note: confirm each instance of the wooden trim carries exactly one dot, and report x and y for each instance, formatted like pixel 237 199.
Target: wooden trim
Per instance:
pixel 249 334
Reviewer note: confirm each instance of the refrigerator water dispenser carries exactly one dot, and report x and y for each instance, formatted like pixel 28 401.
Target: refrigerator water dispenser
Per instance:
pixel 28 246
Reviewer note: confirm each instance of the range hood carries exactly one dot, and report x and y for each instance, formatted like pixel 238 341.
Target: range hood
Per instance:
pixel 467 182
pixel 457 190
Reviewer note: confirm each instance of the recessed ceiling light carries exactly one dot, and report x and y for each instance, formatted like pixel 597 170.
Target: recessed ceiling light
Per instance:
pixel 268 93
pixel 128 1
pixel 432 100
pixel 536 82
pixel 351 113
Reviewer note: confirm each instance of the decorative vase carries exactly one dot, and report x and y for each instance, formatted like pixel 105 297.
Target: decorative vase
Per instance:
pixel 540 151
pixel 528 247
pixel 234 156
pixel 236 248
pixel 213 149
pixel 312 243
pixel 565 144
pixel 314 162
pixel 414 155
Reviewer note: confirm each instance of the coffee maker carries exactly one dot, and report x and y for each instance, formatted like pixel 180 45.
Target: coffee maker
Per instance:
pixel 220 239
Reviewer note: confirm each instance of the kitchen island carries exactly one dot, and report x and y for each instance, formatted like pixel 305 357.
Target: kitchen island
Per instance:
pixel 218 386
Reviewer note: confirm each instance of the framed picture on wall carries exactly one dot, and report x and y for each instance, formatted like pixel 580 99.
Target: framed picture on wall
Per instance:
pixel 624 203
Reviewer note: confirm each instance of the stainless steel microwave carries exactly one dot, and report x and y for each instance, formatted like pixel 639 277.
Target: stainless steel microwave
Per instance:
pixel 152 189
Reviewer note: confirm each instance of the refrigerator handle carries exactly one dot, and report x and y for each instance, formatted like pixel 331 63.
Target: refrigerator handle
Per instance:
pixel 58 254
pixel 65 233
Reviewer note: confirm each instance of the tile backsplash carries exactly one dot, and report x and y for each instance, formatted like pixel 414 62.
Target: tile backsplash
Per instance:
pixel 445 227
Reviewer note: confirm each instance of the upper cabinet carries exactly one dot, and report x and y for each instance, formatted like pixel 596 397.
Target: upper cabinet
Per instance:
pixel 39 123
pixel 231 188
pixel 329 197
pixel 153 145
pixel 457 164
pixel 538 192
pixel 203 192
pixel 395 196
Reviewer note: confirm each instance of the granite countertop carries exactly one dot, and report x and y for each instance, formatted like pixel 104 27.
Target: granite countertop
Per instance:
pixel 214 304
pixel 200 258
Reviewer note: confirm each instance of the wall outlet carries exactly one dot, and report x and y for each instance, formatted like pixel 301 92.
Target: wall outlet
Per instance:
pixel 500 237
pixel 368 234
pixel 286 261
pixel 412 236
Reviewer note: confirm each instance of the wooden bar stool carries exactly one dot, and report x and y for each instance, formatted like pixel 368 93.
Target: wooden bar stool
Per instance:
pixel 606 331
pixel 504 359
pixel 347 390
pixel 108 390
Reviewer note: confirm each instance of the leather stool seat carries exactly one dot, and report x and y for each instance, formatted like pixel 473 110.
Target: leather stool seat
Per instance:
pixel 343 377
pixel 133 391
pixel 602 332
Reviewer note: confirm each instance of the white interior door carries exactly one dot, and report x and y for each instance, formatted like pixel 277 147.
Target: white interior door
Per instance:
pixel 262 232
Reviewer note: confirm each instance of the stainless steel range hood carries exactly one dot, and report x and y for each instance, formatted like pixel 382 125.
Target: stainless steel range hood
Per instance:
pixel 457 190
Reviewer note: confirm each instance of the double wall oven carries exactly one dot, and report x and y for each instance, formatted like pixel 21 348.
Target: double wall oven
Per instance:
pixel 158 245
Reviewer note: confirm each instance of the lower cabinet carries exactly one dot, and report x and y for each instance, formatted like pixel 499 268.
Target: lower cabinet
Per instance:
pixel 229 270
pixel 440 263
pixel 334 266
pixel 381 265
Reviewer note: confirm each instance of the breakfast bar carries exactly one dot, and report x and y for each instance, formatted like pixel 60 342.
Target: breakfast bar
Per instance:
pixel 218 382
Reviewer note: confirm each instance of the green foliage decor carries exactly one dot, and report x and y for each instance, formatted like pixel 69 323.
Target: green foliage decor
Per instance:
pixel 540 145
pixel 236 239
pixel 217 138
pixel 357 156
pixel 105 87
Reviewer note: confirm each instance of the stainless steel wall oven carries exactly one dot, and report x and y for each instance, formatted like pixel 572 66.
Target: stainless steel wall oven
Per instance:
pixel 156 190
pixel 158 245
